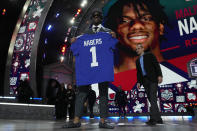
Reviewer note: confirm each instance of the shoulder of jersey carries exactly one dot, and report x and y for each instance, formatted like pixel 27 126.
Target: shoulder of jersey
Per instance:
pixel 106 29
pixel 84 35
pixel 99 33
pixel 104 33
pixel 79 36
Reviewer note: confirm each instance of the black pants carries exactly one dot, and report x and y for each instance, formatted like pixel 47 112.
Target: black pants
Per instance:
pixel 90 106
pixel 103 99
pixel 151 91
pixel 60 109
pixel 120 109
pixel 71 110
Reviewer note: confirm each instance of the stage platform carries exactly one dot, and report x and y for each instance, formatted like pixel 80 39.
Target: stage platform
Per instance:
pixel 171 123
pixel 26 111
pixel 41 117
pixel 9 109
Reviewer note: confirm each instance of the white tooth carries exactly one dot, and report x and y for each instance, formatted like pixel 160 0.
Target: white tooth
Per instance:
pixel 138 37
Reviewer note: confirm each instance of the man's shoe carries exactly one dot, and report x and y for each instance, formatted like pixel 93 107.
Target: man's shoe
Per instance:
pixel 71 124
pixel 105 125
pixel 91 116
pixel 151 123
pixel 160 121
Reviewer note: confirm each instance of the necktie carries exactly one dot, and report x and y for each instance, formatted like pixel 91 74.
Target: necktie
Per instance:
pixel 95 29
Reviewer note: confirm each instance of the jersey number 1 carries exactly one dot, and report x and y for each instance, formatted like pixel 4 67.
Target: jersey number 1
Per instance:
pixel 94 60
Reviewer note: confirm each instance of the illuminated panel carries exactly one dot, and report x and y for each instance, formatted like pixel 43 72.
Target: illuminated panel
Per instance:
pixel 192 68
pixel 178 90
pixel 20 66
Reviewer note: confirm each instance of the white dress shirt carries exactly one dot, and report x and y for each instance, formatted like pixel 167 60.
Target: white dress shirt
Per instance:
pixel 98 29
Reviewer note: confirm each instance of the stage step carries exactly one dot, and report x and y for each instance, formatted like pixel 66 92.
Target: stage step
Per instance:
pixel 26 111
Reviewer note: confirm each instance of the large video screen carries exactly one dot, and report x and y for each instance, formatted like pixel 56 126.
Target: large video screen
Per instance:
pixel 174 51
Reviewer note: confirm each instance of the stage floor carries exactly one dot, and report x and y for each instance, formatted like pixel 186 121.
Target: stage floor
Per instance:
pixel 176 123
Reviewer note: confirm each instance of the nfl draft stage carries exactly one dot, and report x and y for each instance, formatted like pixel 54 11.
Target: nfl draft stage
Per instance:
pixel 177 94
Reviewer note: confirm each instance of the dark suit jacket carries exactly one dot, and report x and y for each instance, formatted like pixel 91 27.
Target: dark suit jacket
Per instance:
pixel 121 98
pixel 103 29
pixel 151 66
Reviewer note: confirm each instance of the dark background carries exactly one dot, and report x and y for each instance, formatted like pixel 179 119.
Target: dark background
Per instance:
pixel 66 8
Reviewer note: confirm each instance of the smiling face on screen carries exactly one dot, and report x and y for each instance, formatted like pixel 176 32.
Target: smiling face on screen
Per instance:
pixel 138 27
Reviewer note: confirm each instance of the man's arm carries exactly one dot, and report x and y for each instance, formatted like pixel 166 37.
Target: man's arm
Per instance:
pixel 113 34
pixel 110 31
pixel 158 69
pixel 73 39
pixel 138 76
pixel 160 79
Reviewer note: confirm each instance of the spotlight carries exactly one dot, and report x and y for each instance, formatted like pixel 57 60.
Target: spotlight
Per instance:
pixel 72 21
pixel 45 41
pixel 63 49
pixel 78 11
pixel 83 3
pixel 61 59
pixel 57 15
pixel 49 27
pixel 4 11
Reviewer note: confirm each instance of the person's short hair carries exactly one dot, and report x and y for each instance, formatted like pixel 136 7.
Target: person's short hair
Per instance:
pixel 140 45
pixel 100 14
pixel 114 14
pixel 69 84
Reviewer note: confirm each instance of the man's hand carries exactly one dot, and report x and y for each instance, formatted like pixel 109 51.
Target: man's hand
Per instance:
pixel 113 34
pixel 86 104
pixel 138 85
pixel 73 39
pixel 160 79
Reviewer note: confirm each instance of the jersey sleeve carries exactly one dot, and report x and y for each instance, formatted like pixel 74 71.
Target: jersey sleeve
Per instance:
pixel 112 41
pixel 75 47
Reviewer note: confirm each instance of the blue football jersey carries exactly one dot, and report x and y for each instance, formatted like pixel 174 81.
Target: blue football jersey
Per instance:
pixel 94 58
